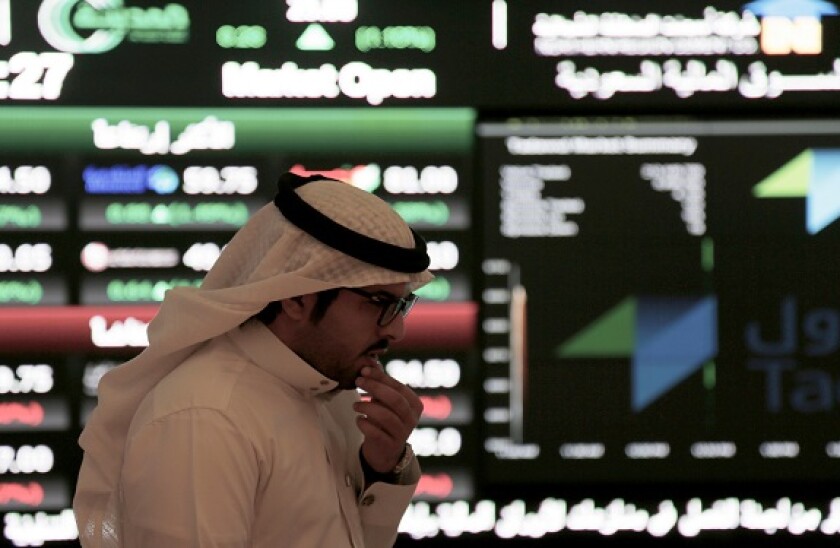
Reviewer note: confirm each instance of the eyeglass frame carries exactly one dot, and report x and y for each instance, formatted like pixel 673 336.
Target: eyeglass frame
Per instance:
pixel 401 305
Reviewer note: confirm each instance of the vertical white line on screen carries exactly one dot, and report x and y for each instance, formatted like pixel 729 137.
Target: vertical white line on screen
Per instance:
pixel 5 22
pixel 499 24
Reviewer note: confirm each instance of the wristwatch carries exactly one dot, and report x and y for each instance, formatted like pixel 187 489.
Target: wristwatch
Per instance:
pixel 393 476
pixel 405 461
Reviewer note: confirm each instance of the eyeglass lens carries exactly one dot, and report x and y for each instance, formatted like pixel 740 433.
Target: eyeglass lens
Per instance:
pixel 394 308
pixel 391 307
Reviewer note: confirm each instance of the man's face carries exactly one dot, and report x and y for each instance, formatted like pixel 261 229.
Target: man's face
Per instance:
pixel 347 338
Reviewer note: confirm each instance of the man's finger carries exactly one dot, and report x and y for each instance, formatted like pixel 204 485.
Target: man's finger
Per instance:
pixel 370 378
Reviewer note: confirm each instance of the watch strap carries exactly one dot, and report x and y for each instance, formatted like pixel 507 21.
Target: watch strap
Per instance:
pixel 405 460
pixel 394 474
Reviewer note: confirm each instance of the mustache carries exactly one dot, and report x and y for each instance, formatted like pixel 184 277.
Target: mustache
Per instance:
pixel 381 344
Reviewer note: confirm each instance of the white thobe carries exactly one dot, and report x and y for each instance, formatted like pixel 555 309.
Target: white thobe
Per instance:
pixel 246 445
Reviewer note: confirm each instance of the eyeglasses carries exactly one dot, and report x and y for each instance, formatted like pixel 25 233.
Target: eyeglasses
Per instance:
pixel 391 306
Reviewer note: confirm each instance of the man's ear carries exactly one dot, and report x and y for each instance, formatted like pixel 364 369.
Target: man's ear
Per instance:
pixel 299 307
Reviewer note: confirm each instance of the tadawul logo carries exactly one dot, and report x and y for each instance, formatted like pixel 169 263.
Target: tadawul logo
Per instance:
pixel 97 26
pixel 813 174
pixel 666 338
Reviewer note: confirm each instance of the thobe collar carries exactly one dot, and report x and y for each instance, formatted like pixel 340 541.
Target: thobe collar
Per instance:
pixel 257 342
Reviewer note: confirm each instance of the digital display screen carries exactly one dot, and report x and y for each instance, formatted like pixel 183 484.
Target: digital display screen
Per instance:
pixel 642 292
pixel 493 54
pixel 659 300
pixel 667 56
pixel 96 230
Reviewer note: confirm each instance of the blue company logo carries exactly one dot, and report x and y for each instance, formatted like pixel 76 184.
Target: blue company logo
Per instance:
pixel 791 8
pixel 814 175
pixel 797 356
pixel 122 179
pixel 666 338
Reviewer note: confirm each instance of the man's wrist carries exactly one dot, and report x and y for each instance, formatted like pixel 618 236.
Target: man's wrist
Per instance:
pixel 404 462
pixel 393 475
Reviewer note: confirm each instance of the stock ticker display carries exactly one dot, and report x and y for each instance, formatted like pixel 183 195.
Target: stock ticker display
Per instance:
pixel 92 240
pixel 687 323
pixel 685 328
pixel 492 54
pixel 635 292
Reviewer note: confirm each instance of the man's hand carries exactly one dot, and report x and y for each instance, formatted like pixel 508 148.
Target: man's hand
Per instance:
pixel 387 419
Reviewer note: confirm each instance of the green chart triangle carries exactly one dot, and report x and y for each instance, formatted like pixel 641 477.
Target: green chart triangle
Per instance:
pixel 315 38
pixel 789 181
pixel 611 335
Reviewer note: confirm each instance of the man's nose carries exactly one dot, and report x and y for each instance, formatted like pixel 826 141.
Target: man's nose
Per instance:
pixel 395 330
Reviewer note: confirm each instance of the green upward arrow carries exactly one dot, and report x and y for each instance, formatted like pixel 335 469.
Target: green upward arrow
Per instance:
pixel 315 38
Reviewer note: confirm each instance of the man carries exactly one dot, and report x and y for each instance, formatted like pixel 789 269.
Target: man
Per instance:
pixel 240 425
